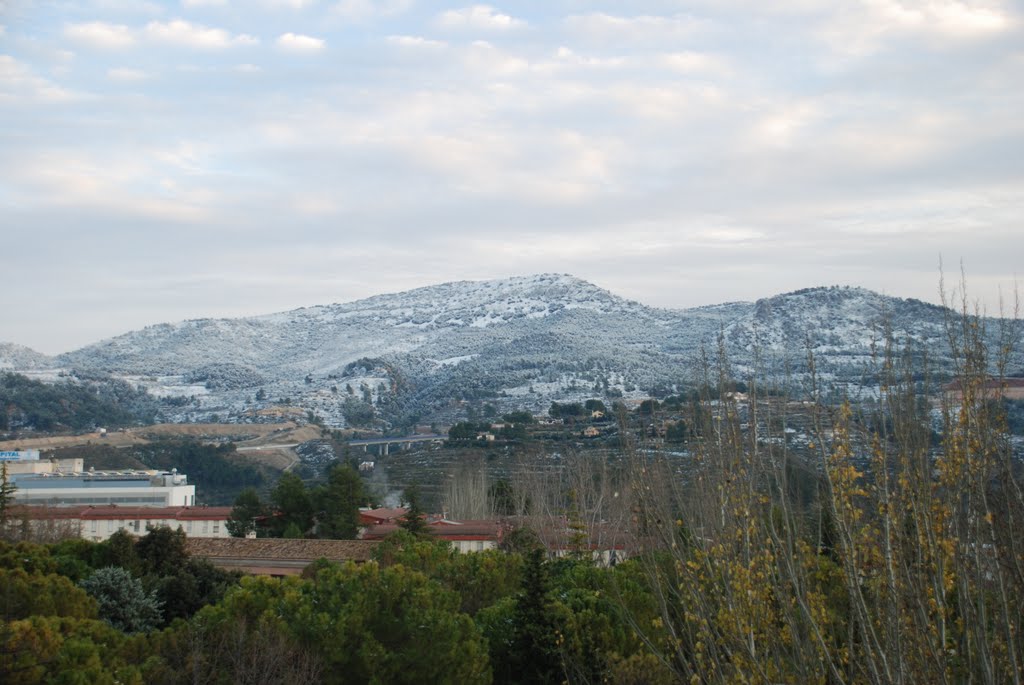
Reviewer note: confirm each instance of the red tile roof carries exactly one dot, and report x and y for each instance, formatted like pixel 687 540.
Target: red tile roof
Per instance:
pixel 113 511
pixel 274 549
pixel 382 515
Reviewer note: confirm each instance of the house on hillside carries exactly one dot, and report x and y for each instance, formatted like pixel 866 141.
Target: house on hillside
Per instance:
pixel 992 388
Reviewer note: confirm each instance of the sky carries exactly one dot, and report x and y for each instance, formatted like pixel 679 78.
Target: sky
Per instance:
pixel 204 158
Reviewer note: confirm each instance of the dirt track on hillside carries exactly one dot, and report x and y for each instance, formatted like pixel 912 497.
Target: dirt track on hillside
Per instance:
pixel 264 443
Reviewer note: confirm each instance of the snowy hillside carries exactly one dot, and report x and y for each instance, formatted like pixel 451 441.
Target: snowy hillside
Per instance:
pixel 22 358
pixel 519 342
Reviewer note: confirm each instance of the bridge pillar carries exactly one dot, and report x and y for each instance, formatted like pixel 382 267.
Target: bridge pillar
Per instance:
pixel 384 450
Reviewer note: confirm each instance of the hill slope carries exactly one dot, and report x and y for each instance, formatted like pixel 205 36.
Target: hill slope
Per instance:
pixel 514 342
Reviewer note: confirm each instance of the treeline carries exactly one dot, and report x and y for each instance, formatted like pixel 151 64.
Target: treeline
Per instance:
pixel 144 612
pixel 294 510
pixel 26 404
pixel 69 610
pixel 218 472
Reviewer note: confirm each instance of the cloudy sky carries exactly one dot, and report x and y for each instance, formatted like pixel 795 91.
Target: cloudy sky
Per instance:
pixel 170 160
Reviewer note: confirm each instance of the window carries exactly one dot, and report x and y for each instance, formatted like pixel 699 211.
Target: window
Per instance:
pixel 206 525
pixel 110 525
pixel 216 527
pixel 188 528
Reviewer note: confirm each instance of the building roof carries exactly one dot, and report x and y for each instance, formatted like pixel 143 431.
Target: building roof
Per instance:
pixel 381 515
pixel 112 511
pixel 956 385
pixel 444 529
pixel 274 549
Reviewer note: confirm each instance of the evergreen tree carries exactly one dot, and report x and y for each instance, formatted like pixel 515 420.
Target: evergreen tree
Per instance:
pixel 293 508
pixel 534 653
pixel 6 498
pixel 415 521
pixel 122 601
pixel 247 509
pixel 338 504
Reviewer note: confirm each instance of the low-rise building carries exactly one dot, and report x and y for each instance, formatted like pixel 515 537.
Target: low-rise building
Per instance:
pixel 98 523
pixel 464 536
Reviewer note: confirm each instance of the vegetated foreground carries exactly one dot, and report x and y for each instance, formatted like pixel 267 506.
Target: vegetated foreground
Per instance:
pixel 891 554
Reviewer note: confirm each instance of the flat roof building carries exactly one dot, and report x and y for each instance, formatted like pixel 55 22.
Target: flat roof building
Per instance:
pixel 64 483
pixel 139 488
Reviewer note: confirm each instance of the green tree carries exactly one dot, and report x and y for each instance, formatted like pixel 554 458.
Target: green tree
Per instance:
pixel 64 650
pixel 118 550
pixel 524 417
pixel 25 594
pixel 293 506
pixel 338 502
pixel 360 624
pixel 534 654
pixel 400 627
pixel 182 584
pixel 6 499
pixel 414 521
pixel 247 511
pixel 161 551
pixel 122 601
pixel 479 579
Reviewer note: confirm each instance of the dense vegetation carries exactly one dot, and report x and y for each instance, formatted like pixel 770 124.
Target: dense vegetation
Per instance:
pixel 329 510
pixel 419 613
pixel 26 404
pixel 219 474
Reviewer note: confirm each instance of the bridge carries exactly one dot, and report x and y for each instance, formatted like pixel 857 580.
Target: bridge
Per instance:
pixel 402 442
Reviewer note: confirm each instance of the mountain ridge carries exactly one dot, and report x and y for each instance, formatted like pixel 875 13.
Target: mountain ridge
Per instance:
pixel 524 340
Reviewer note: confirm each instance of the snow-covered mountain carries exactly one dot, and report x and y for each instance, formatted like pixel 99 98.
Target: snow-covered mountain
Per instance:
pixel 518 342
pixel 22 358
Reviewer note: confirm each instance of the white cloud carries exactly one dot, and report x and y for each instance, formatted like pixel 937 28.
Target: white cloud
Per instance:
pixel 481 17
pixel 181 32
pixel 99 34
pixel 416 42
pixel 126 75
pixel 19 84
pixel 290 4
pixel 298 43
pixel 204 3
pixel 356 10
pixel 643 29
pixel 568 56
pixel 862 29
pixel 692 62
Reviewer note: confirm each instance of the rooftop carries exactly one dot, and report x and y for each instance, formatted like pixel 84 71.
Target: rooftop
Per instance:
pixel 279 549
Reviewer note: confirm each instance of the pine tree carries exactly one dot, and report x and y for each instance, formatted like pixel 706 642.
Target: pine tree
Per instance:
pixel 247 509
pixel 6 497
pixel 534 655
pixel 415 520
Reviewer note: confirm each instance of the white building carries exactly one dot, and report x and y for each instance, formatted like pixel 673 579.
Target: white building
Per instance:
pixel 100 522
pixel 63 483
